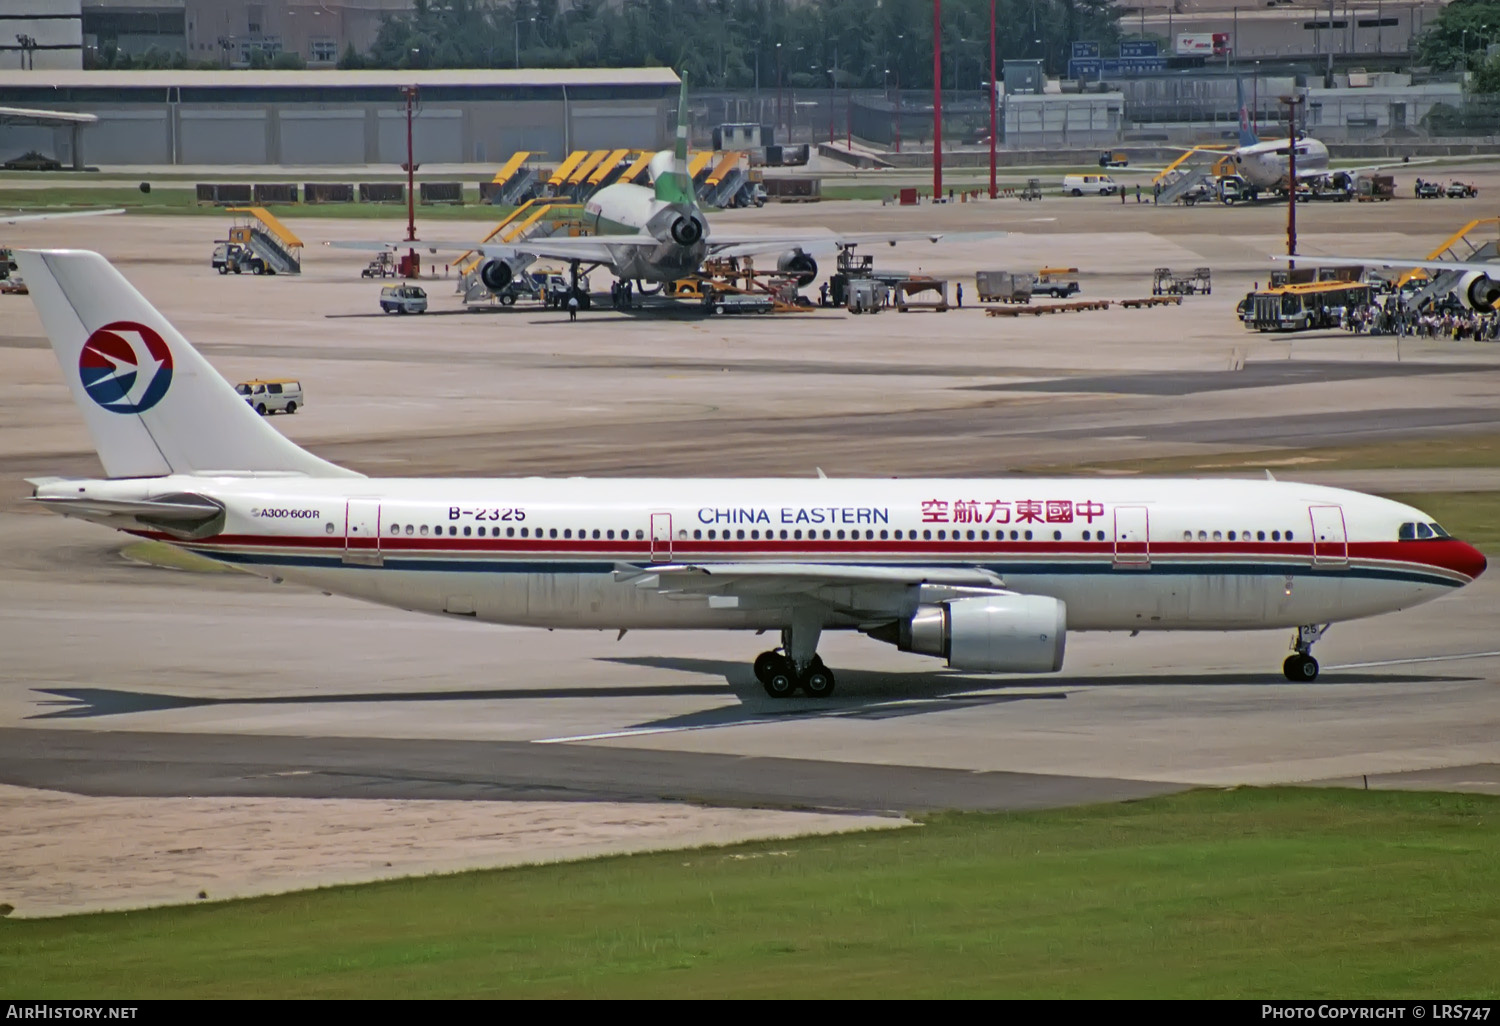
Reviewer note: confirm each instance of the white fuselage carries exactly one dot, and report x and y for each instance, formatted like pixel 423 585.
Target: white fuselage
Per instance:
pixel 625 209
pixel 1265 165
pixel 1148 554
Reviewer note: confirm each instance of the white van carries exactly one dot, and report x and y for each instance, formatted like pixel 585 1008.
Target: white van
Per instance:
pixel 403 299
pixel 266 397
pixel 1092 185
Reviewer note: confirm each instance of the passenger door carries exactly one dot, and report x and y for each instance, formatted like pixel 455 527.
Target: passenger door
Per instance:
pixel 661 537
pixel 362 532
pixel 1132 538
pixel 1330 539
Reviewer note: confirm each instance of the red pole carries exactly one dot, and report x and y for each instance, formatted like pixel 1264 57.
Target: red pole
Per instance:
pixel 411 210
pixel 937 99
pixel 994 191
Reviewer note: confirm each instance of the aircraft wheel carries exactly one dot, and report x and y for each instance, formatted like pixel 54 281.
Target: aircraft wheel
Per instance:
pixel 766 664
pixel 781 682
pixel 818 680
pixel 1300 668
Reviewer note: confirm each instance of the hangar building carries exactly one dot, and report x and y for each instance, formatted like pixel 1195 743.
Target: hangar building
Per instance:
pixel 341 117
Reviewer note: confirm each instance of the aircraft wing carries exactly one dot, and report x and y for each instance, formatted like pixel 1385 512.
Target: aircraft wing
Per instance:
pixel 18 218
pixel 1325 172
pixel 1404 263
pixel 875 591
pixel 586 248
pixel 729 245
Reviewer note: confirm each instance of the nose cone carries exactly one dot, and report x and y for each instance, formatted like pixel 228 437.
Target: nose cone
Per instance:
pixel 1464 558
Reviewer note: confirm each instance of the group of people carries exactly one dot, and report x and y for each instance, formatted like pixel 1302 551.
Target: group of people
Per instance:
pixel 1393 319
pixel 620 293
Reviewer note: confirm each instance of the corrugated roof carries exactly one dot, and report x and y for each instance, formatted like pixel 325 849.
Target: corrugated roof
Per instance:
pixel 334 79
pixel 25 115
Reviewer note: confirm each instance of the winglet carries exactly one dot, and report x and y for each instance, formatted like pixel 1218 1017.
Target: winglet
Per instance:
pixel 1269 475
pixel 820 473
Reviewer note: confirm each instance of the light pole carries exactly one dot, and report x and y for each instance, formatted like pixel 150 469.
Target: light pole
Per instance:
pixel 1292 103
pixel 994 191
pixel 780 124
pixel 937 100
pixel 833 86
pixel 900 39
pixel 413 265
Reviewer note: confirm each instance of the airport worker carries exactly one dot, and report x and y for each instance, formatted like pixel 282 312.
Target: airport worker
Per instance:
pixel 1122 196
pixel 959 294
pixel 1155 193
pixel 823 294
pixel 573 307
pixel 614 294
pixel 1138 193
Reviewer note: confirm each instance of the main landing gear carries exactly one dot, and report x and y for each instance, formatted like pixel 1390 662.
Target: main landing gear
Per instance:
pixel 1300 666
pixel 795 665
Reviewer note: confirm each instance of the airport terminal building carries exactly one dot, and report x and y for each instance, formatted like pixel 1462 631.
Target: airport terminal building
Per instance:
pixel 341 117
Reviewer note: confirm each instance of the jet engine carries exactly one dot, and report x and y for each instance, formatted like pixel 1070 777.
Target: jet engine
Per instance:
pixel 496 274
pixel 795 261
pixel 1478 291
pixel 686 230
pixel 1002 633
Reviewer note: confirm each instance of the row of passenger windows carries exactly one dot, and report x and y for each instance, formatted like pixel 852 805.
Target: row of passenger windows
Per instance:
pixel 1240 535
pixel 713 534
pixel 510 532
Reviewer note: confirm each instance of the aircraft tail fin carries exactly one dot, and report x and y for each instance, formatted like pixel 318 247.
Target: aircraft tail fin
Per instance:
pixel 1247 134
pixel 674 186
pixel 152 404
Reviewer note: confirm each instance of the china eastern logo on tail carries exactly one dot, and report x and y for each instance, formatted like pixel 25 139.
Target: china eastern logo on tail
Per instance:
pixel 125 367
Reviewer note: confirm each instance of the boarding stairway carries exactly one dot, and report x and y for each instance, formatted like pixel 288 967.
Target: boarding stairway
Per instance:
pixel 516 181
pixel 1180 176
pixel 1457 246
pixel 724 182
pixel 267 238
pixel 536 218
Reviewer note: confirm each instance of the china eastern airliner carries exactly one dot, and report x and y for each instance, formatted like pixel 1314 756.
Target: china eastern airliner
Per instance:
pixel 989 574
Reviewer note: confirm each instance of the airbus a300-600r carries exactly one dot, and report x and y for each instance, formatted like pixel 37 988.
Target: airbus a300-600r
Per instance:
pixel 653 235
pixel 989 574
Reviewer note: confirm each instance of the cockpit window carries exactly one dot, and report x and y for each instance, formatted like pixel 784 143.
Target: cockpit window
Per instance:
pixel 1423 531
pixel 1408 532
pixel 1438 532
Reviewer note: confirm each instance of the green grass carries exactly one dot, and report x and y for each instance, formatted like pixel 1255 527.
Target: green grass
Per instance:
pixel 1313 893
pixel 1472 516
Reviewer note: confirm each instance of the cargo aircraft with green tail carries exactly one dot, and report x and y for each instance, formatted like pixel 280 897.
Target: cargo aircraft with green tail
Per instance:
pixel 655 234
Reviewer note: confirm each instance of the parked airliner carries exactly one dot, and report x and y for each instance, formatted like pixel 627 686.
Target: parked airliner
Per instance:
pixel 657 234
pixel 989 574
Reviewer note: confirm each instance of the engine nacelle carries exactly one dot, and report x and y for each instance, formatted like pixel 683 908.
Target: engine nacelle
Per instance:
pixel 1478 291
pixel 1001 633
pixel 795 261
pixel 686 230
pixel 496 275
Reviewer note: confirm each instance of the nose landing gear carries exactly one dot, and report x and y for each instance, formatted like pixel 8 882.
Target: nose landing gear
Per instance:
pixel 1300 666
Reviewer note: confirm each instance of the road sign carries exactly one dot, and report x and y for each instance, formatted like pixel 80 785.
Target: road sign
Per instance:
pixel 1138 48
pixel 1083 49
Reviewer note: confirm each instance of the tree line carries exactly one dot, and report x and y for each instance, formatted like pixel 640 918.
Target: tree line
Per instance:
pixel 737 44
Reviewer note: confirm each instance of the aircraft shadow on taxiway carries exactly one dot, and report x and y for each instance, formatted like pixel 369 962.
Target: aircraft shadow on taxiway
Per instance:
pixel 862 694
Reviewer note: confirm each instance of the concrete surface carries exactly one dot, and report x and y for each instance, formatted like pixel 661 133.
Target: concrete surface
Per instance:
pixel 138 686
